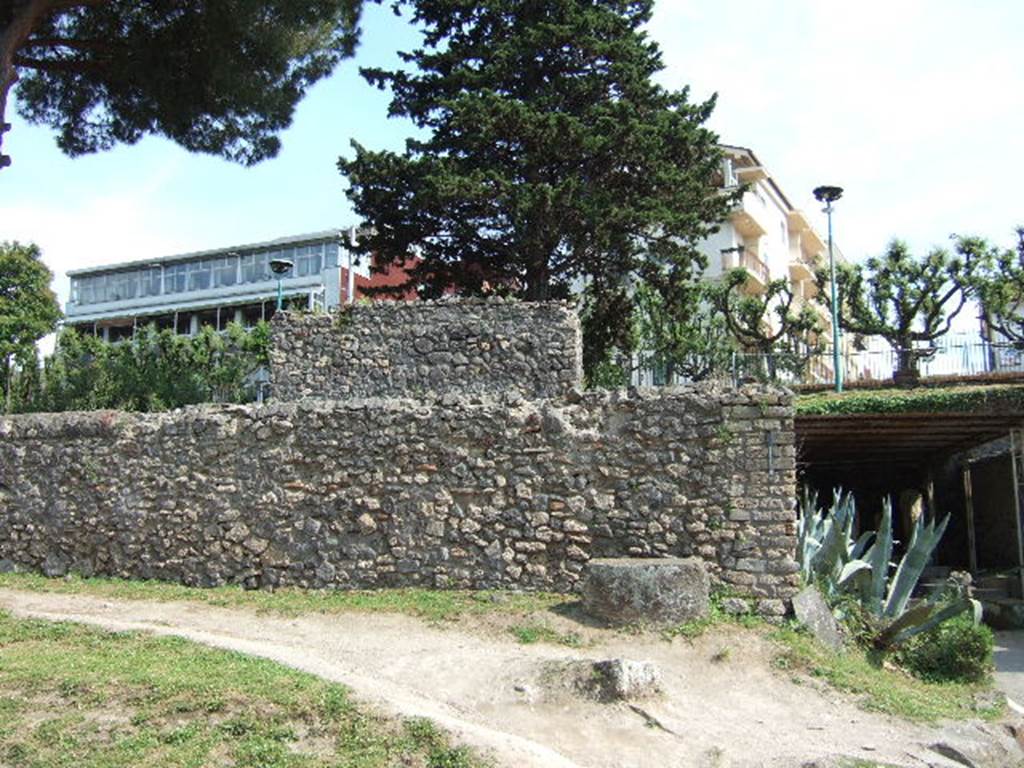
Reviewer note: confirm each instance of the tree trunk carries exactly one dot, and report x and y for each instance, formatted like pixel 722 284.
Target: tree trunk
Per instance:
pixel 537 281
pixel 5 372
pixel 8 74
pixel 18 23
pixel 906 373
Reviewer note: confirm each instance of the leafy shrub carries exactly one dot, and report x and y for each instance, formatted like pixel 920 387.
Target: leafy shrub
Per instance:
pixel 153 371
pixel 957 650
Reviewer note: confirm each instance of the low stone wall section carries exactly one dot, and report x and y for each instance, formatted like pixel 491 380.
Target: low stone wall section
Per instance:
pixel 418 349
pixel 450 492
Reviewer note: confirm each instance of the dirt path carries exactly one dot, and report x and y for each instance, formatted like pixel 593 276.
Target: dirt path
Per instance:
pixel 1009 659
pixel 730 713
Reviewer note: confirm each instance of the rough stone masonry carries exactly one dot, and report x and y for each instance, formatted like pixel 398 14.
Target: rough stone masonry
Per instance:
pixel 416 349
pixel 446 490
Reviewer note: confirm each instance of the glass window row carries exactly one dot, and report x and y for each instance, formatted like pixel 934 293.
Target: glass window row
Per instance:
pixel 201 275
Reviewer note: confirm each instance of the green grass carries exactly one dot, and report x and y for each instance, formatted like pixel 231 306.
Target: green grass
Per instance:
pixel 878 687
pixel 534 632
pixel 76 697
pixel 430 604
pixel 993 398
pixel 691 630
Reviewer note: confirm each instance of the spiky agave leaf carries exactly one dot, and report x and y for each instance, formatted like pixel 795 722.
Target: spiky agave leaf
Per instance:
pixel 925 616
pixel 834 551
pixel 861 545
pixel 879 556
pixel 810 524
pixel 923 541
pixel 854 577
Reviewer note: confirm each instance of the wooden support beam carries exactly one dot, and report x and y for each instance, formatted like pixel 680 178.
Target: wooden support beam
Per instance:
pixel 1015 462
pixel 972 548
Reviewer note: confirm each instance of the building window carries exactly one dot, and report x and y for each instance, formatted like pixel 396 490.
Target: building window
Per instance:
pixel 199 275
pixel 225 271
pixel 174 278
pixel 149 282
pixel 308 260
pixel 122 286
pixel 254 267
pixel 86 291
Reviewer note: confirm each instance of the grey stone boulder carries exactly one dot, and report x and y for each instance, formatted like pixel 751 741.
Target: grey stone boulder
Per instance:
pixel 1004 614
pixel 978 745
pixel 55 565
pixel 606 681
pixel 810 609
pixel 736 606
pixel 624 680
pixel 650 591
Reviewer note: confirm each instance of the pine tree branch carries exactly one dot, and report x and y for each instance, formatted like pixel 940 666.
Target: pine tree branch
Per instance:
pixel 64 42
pixel 56 65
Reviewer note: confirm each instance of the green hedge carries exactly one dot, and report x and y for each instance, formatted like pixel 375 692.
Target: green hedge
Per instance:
pixel 997 398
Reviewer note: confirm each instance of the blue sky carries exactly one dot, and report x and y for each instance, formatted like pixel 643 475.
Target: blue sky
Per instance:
pixel 915 107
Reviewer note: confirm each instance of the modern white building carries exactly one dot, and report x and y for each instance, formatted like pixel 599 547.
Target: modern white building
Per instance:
pixel 215 287
pixel 766 235
pixel 772 240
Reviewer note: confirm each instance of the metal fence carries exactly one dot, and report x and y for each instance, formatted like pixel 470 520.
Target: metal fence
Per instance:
pixel 954 357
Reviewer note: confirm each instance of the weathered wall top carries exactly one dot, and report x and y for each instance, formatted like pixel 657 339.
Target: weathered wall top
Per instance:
pixel 412 349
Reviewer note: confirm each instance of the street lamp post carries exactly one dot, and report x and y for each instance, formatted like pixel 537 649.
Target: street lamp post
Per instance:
pixel 280 267
pixel 829 195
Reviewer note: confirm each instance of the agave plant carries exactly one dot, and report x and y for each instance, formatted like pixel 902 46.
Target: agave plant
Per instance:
pixel 826 540
pixel 830 557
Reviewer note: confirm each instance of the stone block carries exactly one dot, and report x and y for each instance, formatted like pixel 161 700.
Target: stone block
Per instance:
pixel 977 745
pixel 624 680
pixel 810 610
pixel 650 591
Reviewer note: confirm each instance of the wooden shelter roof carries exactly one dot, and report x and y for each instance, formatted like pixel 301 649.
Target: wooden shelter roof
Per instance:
pixel 905 427
pixel 904 438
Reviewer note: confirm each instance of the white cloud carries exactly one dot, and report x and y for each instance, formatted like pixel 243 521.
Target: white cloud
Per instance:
pixel 911 106
pixel 112 227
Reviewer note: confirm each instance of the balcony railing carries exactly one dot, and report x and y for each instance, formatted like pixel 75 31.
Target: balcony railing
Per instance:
pixel 953 359
pixel 755 266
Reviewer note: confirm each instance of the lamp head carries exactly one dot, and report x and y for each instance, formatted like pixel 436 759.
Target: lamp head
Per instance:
pixel 280 266
pixel 826 194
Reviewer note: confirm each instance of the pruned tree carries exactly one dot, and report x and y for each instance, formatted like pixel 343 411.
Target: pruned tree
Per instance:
pixel 215 76
pixel 907 301
pixel 28 307
pixel 679 331
pixel 548 155
pixel 999 285
pixel 771 323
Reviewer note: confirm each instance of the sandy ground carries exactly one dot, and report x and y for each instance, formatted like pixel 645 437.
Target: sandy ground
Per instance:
pixel 723 705
pixel 1009 659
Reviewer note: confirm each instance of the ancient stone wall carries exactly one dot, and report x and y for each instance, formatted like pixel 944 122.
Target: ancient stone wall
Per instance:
pixel 413 349
pixel 453 491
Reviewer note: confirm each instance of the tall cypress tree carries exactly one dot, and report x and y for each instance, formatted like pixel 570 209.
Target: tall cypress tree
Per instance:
pixel 547 154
